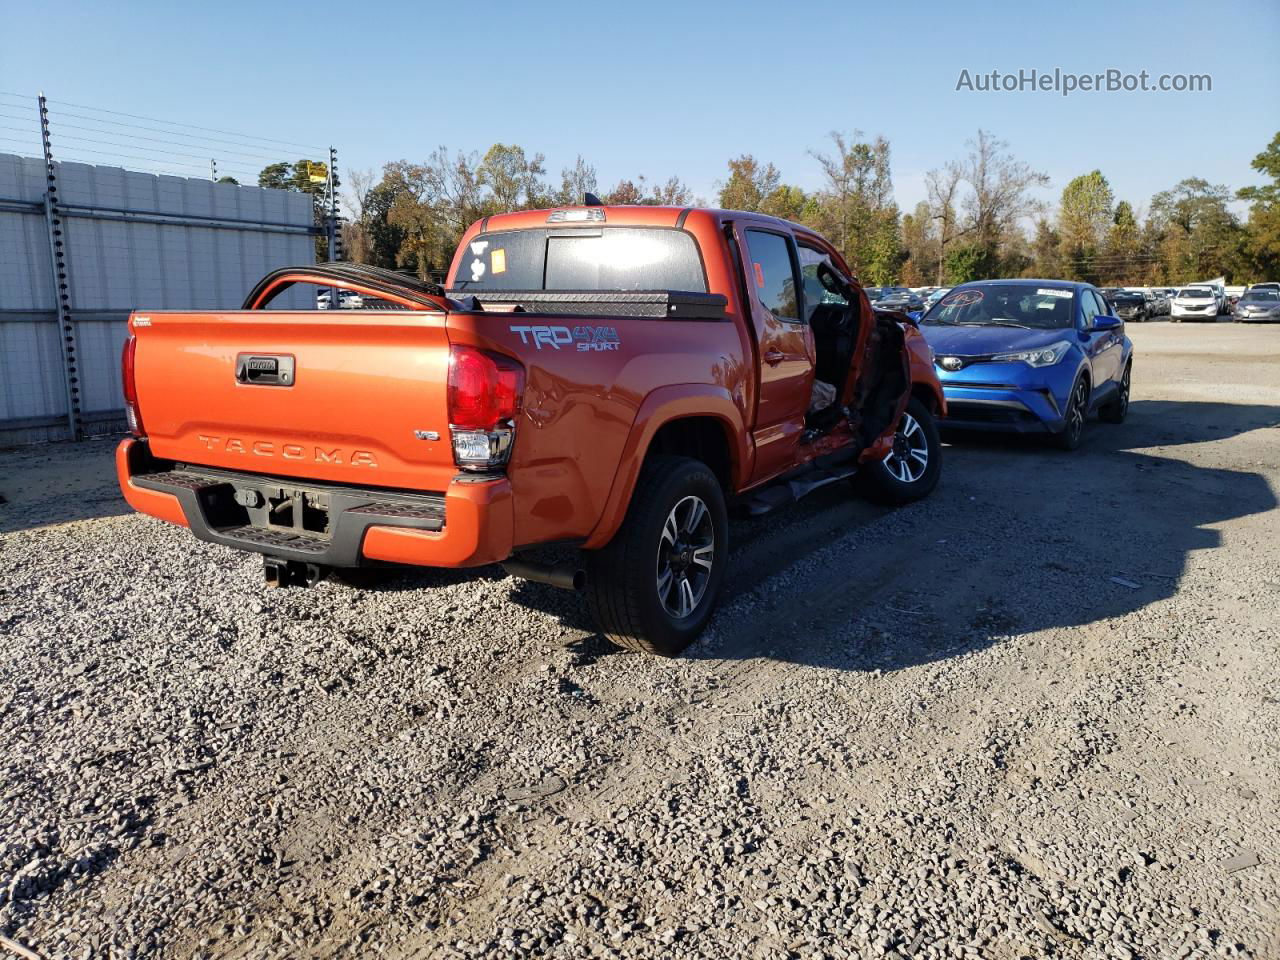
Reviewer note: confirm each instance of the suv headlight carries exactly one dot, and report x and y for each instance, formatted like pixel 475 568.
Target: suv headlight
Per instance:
pixel 1040 357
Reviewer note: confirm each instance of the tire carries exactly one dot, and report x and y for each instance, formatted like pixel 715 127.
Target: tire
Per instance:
pixel 1118 409
pixel 664 532
pixel 1077 413
pixel 898 478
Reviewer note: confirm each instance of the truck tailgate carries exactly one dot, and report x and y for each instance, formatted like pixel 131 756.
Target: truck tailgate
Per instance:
pixel 349 398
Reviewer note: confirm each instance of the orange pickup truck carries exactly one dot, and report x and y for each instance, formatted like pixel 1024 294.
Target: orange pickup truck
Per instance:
pixel 613 379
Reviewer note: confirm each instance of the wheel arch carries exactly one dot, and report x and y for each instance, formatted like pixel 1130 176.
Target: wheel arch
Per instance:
pixel 696 420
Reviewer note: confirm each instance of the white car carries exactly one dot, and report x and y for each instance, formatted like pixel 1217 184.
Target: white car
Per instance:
pixel 1219 293
pixel 346 300
pixel 1194 303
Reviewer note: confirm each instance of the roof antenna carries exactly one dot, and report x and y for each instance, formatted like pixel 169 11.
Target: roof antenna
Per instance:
pixel 589 199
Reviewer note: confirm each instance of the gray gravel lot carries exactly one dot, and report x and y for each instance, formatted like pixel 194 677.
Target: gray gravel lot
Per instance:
pixel 1035 715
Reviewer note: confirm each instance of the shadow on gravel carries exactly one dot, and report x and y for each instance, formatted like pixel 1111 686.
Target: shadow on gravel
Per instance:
pixel 1020 538
pixel 52 483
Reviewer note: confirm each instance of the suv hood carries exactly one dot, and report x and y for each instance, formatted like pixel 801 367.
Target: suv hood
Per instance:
pixel 980 341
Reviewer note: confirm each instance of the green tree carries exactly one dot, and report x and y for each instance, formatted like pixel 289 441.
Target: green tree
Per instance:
pixel 514 181
pixel 1122 255
pixel 855 207
pixel 1083 216
pixel 1201 236
pixel 309 177
pixel 1262 232
pixel 1046 246
pixel 749 185
pixel 970 261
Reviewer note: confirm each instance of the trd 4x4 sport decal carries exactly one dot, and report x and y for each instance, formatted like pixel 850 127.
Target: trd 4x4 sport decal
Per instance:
pixel 583 338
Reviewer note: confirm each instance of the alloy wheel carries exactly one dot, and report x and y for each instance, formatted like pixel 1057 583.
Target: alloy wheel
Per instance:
pixel 909 458
pixel 1076 412
pixel 686 553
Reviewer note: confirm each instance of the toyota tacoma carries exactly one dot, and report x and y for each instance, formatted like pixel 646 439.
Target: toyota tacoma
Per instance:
pixel 608 378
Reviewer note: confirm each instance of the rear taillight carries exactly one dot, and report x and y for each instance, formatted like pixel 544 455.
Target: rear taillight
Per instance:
pixel 484 394
pixel 129 383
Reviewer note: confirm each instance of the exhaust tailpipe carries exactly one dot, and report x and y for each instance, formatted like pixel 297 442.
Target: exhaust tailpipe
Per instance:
pixel 566 576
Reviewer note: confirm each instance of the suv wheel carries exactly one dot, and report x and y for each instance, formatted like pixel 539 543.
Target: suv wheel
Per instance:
pixel 652 589
pixel 1077 413
pixel 1117 409
pixel 911 469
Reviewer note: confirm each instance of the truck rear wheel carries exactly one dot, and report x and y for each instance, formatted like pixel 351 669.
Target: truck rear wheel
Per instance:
pixel 652 589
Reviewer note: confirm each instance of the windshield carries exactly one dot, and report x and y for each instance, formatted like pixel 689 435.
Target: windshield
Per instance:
pixel 1127 295
pixel 1195 293
pixel 1005 305
pixel 1257 296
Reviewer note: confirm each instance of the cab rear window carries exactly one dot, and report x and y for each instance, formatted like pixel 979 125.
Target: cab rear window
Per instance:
pixel 587 258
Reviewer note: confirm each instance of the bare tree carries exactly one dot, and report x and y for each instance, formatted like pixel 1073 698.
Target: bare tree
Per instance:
pixel 999 183
pixel 575 183
pixel 944 194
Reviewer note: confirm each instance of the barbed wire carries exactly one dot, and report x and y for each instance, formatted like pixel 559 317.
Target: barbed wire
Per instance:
pixel 99 139
pixel 167 123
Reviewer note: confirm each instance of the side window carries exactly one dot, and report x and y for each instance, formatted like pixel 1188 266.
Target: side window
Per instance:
pixel 1104 308
pixel 814 292
pixel 1088 308
pixel 771 270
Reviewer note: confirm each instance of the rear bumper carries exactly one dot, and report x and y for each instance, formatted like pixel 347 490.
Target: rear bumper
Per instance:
pixel 470 524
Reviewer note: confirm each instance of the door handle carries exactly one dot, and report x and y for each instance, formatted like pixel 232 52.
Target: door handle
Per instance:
pixel 774 357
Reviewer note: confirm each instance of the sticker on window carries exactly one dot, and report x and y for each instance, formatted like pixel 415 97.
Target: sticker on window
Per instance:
pixel 759 276
pixel 962 298
pixel 498 260
pixel 1051 292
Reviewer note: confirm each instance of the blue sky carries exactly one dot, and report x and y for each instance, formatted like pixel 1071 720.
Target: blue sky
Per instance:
pixel 661 88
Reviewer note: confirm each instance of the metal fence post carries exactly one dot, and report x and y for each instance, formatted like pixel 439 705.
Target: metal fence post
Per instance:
pixel 55 222
pixel 333 206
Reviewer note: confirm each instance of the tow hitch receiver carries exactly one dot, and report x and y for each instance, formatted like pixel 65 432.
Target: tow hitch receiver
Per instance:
pixel 292 573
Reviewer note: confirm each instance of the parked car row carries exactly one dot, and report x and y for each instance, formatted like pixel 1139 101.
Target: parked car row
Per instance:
pixel 1260 303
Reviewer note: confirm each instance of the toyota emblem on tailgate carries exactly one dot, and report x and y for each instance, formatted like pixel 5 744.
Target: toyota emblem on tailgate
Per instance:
pixel 270 370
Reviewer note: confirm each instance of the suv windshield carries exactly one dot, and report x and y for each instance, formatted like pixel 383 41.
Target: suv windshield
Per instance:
pixel 1005 305
pixel 1195 293
pixel 582 258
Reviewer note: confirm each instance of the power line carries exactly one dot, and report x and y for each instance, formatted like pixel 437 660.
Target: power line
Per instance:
pixel 270 158
pixel 189 126
pixel 255 142
pixel 111 143
pixel 56 119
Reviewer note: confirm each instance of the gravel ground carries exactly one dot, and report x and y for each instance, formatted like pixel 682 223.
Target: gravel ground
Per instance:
pixel 1035 715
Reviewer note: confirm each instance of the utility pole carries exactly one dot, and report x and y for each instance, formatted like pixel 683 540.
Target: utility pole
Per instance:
pixel 213 170
pixel 54 221
pixel 333 206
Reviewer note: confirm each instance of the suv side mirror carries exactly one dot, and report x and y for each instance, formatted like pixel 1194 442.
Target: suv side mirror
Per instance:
pixel 1102 323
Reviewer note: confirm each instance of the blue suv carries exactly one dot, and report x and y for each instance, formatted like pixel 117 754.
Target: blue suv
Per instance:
pixel 1031 356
